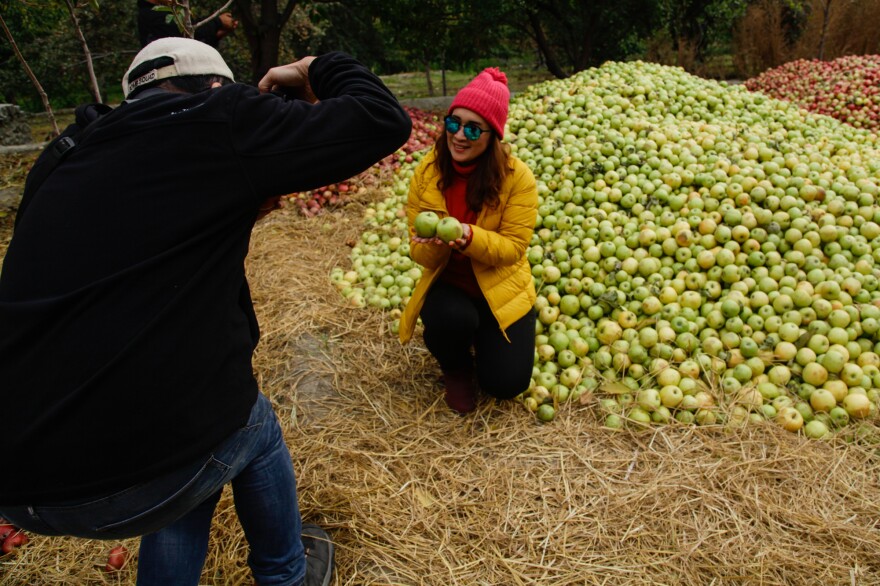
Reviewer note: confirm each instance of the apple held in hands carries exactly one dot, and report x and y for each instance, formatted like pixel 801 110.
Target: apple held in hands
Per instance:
pixel 425 224
pixel 449 229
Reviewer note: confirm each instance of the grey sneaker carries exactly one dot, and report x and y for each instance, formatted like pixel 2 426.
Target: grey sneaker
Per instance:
pixel 319 555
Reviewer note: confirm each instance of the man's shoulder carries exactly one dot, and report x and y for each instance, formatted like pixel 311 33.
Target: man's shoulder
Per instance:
pixel 176 102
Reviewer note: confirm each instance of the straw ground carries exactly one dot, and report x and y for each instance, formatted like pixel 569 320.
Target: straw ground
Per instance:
pixel 415 495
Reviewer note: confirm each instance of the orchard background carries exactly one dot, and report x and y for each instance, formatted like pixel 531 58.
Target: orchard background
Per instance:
pixel 704 401
pixel 720 39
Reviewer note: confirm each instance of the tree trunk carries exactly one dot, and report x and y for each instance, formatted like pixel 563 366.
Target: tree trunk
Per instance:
pixel 544 46
pixel 93 80
pixel 443 73
pixel 31 75
pixel 269 50
pixel 428 79
pixel 826 16
pixel 263 33
pixel 585 52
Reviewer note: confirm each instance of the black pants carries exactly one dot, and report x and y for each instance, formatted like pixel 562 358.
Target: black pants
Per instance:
pixel 455 322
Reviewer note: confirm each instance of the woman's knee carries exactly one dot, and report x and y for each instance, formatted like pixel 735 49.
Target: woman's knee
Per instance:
pixel 504 385
pixel 450 318
pixel 447 307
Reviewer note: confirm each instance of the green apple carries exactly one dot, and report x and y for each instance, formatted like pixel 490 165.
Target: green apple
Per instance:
pixel 425 224
pixel 790 419
pixel 839 416
pixel 822 400
pixel 613 421
pixel 815 429
pixel 648 399
pixel 546 412
pixel 857 406
pixel 449 229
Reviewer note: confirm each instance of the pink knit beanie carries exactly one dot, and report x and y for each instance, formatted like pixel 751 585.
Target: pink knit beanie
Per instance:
pixel 488 96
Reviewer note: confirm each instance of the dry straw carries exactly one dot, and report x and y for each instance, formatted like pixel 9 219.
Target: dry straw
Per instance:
pixel 415 495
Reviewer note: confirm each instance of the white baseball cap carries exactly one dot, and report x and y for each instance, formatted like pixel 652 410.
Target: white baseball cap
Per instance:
pixel 173 57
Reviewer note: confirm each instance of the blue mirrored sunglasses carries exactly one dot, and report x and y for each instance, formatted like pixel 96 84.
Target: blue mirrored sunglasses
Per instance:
pixel 471 130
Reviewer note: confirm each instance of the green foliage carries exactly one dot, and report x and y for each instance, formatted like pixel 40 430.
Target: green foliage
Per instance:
pixel 174 14
pixel 336 26
pixel 234 49
pixel 30 28
pixel 390 36
pixel 705 26
pixel 45 35
pixel 572 35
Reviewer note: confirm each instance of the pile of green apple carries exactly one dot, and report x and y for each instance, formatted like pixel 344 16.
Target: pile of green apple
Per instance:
pixel 703 254
pixel 381 273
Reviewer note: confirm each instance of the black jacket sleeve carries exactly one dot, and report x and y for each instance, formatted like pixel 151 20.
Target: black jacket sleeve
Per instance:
pixel 356 123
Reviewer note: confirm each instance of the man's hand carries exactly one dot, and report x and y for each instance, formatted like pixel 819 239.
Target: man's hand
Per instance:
pixel 270 205
pixel 293 77
pixel 227 24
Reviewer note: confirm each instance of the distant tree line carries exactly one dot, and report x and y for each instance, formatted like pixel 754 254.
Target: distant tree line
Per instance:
pixel 392 36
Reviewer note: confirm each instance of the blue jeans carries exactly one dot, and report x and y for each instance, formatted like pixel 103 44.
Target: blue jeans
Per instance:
pixel 173 512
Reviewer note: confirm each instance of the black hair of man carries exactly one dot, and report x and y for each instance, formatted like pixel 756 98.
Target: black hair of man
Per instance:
pixel 188 84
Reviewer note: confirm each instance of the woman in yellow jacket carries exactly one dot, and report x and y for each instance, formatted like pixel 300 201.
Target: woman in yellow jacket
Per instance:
pixel 476 292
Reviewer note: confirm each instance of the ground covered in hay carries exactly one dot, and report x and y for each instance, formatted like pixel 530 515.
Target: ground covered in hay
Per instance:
pixel 414 495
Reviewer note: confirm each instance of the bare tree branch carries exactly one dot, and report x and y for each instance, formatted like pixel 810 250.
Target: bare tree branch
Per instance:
pixel 213 16
pixel 93 80
pixel 182 15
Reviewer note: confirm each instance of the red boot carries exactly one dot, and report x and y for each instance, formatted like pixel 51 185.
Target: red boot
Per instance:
pixel 461 393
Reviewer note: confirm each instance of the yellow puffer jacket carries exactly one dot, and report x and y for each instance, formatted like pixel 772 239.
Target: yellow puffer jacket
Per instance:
pixel 497 250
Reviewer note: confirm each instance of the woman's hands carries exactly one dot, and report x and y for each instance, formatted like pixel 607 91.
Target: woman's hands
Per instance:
pixel 458 244
pixel 227 24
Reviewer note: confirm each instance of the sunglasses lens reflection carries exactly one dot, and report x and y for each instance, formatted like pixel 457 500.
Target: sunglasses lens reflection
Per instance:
pixel 471 130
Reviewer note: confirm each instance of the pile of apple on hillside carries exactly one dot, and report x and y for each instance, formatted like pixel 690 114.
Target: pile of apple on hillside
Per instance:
pixel 847 88
pixel 703 254
pixel 423 135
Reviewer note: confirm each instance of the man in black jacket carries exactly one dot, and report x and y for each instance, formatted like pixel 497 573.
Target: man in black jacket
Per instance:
pixel 126 323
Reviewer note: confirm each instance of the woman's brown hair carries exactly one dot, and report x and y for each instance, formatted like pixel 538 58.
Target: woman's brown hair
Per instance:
pixel 484 183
